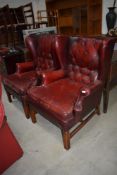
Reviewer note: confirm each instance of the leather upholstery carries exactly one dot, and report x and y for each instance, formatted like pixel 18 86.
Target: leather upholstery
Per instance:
pixel 84 52
pixel 59 99
pixel 43 53
pixel 71 93
pixel 20 82
pixel 42 50
pixel 1 107
pixel 10 150
pixel 24 67
pixel 66 96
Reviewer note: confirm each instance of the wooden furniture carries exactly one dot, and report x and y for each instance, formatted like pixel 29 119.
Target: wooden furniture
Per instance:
pixel 8 59
pixel 42 18
pixel 3 29
pixel 29 15
pixel 18 23
pixel 70 97
pixel 48 18
pixel 7 20
pixel 44 58
pixel 11 24
pixel 77 17
pixel 111 81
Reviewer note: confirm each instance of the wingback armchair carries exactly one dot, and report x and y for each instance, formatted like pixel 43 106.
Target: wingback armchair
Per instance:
pixel 42 51
pixel 72 95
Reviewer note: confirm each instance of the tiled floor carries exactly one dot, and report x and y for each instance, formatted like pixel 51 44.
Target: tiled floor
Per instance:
pixel 93 150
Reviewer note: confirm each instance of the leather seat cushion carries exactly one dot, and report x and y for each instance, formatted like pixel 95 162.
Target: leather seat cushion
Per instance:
pixel 58 97
pixel 21 83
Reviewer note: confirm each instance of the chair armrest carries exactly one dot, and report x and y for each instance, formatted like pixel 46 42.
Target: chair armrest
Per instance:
pixel 24 67
pixel 93 91
pixel 51 76
pixel 2 114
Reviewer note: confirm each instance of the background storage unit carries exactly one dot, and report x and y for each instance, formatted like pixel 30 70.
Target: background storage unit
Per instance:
pixel 77 17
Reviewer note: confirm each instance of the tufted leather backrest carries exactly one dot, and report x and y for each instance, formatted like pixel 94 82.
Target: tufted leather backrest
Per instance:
pixel 47 58
pixel 83 75
pixel 31 43
pixel 42 48
pixel 84 52
pixel 92 54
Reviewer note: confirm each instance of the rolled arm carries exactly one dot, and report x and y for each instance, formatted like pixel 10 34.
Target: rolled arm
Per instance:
pixel 51 76
pixel 24 67
pixel 84 92
pixel 95 91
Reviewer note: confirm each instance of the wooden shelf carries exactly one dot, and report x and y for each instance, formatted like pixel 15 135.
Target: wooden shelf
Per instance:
pixel 78 17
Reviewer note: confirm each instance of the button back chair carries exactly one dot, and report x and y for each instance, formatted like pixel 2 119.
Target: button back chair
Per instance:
pixel 71 96
pixel 44 58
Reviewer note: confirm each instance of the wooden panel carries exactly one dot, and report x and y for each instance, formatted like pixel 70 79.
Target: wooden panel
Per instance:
pixel 94 17
pixel 80 17
pixel 63 4
pixel 65 21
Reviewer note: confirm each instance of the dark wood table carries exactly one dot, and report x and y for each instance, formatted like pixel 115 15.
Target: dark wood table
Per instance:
pixel 8 59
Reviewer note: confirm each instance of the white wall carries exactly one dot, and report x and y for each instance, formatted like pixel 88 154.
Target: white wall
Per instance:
pixel 37 4
pixel 105 5
pixel 42 5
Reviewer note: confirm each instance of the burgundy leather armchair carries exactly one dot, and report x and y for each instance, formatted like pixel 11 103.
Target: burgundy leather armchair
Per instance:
pixel 72 95
pixel 42 51
pixel 10 150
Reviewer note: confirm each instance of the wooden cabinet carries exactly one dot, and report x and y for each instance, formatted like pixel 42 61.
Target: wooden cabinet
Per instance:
pixel 77 17
pixel 9 59
pixel 94 17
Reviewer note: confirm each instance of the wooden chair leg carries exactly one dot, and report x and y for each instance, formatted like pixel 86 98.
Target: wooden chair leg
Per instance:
pixel 9 96
pixel 6 39
pixel 105 99
pixel 66 139
pixel 98 110
pixel 26 109
pixel 33 117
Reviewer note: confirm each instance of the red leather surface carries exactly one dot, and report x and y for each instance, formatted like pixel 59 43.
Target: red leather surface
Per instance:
pixel 1 114
pixel 85 64
pixel 20 83
pixel 51 76
pixel 106 53
pixel 60 99
pixel 1 106
pixel 61 96
pixel 84 53
pixel 10 150
pixel 62 49
pixel 67 100
pixel 43 51
pixel 24 67
pixel 44 58
pixel 83 75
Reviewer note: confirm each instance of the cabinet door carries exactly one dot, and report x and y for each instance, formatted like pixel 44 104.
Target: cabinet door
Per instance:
pixel 94 17
pixel 83 26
